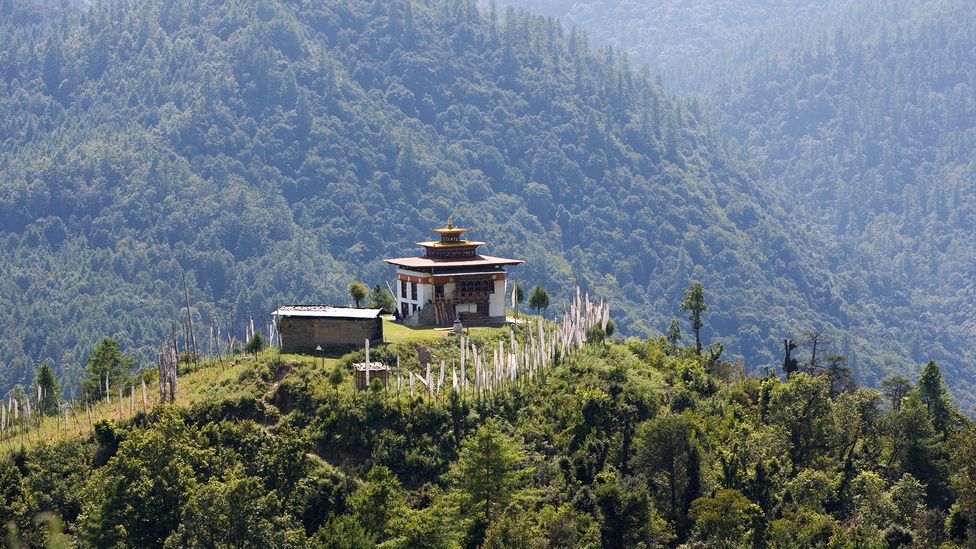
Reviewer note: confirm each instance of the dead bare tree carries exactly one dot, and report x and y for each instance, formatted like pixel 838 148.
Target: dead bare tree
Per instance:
pixel 189 317
pixel 815 339
pixel 176 344
pixel 168 361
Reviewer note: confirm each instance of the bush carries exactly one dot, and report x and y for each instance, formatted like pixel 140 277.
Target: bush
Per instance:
pixel 255 344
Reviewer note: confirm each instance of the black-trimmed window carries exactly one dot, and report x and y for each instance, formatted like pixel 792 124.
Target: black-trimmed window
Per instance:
pixel 450 254
pixel 476 286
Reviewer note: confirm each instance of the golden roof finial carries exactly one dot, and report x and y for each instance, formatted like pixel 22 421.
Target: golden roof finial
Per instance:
pixel 450 224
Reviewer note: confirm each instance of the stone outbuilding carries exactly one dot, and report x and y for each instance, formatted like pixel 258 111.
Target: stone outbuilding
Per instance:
pixel 307 328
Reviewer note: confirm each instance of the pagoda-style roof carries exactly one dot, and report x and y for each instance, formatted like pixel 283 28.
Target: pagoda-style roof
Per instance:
pixel 450 229
pixel 451 251
pixel 450 245
pixel 442 244
pixel 476 261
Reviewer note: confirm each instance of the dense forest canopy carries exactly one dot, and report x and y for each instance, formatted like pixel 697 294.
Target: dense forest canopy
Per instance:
pixel 872 129
pixel 271 151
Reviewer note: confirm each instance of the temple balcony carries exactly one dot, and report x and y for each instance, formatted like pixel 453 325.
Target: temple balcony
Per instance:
pixel 469 297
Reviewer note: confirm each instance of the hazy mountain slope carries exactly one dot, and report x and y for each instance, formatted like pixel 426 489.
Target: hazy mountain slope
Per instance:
pixel 863 114
pixel 872 128
pixel 276 151
pixel 669 35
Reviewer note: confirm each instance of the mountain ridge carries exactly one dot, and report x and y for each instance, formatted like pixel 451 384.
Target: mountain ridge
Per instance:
pixel 861 115
pixel 268 152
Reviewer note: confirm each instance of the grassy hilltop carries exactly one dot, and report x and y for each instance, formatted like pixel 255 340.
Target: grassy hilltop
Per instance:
pixel 627 443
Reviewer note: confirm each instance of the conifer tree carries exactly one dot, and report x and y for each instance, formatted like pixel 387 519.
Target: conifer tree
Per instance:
pixel 50 390
pixel 839 375
pixel 52 67
pixel 694 302
pixel 674 335
pixel 380 298
pixel 378 501
pixel 336 377
pixel 106 362
pixel 255 344
pixel 896 388
pixel 963 455
pixel 539 298
pixel 303 115
pixel 665 449
pixel 932 392
pixel 488 469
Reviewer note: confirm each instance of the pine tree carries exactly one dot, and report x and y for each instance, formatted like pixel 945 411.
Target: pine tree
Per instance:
pixel 488 469
pixel 380 298
pixel 693 488
pixel 50 390
pixel 539 298
pixel 694 303
pixel 106 362
pixel 932 392
pixel 674 335
pixel 255 344
pixel 839 375
pixel 896 388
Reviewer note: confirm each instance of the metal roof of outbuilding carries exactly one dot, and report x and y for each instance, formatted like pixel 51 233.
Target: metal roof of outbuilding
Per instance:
pixel 326 311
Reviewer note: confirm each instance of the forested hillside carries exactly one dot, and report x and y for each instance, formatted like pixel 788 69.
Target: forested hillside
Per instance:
pixel 871 126
pixel 864 114
pixel 273 151
pixel 640 443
